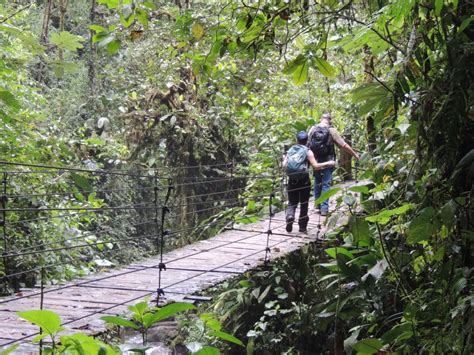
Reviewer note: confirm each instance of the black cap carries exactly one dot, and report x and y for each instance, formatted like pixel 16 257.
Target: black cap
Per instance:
pixel 302 135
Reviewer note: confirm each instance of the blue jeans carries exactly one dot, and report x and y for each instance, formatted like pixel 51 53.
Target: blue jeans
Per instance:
pixel 322 183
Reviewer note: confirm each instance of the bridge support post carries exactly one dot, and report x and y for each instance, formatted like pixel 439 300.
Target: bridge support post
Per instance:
pixel 345 162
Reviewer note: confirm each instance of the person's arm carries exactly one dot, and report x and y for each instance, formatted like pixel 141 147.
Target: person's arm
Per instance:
pixel 285 161
pixel 319 166
pixel 310 133
pixel 351 151
pixel 342 143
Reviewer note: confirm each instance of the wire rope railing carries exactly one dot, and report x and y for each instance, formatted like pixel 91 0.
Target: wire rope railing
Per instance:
pixel 240 203
pixel 101 311
pixel 48 203
pixel 146 208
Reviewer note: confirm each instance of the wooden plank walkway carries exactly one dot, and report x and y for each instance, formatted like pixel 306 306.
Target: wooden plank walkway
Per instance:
pixel 190 269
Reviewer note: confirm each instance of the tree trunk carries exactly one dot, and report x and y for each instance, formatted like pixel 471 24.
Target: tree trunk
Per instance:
pixel 46 17
pixel 369 68
pixel 62 19
pixel 371 134
pixel 93 51
pixel 345 161
pixel 40 69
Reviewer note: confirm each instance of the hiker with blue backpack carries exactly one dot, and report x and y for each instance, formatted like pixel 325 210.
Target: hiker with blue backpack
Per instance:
pixel 297 161
pixel 321 142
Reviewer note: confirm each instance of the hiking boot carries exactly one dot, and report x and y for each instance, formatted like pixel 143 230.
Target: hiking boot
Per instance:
pixel 289 225
pixel 303 230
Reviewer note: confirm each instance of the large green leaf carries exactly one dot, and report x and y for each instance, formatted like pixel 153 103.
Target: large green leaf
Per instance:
pixel 466 22
pixel 139 310
pixel 423 226
pixel 120 321
pixel 169 311
pixel 127 21
pixel 401 8
pixel 227 337
pixel 291 66
pixel 362 37
pixel 9 99
pixel 26 37
pixel 111 4
pixel 396 332
pixel 208 350
pixel 364 189
pixel 385 216
pixel 332 252
pixel 324 67
pixel 113 46
pixel 214 324
pixel 300 75
pixel 369 91
pixel 255 30
pixel 370 104
pixel 97 28
pixel 368 346
pixel 49 321
pixel 83 344
pixel 66 40
pixel 329 193
pixel 360 231
pixel 10 349
pixel 438 7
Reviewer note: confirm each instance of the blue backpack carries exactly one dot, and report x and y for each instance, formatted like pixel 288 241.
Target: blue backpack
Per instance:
pixel 297 162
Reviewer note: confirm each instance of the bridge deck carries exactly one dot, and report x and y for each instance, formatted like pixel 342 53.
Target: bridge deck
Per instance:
pixel 190 269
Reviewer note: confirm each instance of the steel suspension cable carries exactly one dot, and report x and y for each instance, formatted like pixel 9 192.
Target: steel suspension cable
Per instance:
pixel 110 230
pixel 122 273
pixel 65 194
pixel 22 251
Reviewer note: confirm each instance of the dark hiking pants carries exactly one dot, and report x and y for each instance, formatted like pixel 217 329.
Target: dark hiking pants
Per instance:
pixel 298 192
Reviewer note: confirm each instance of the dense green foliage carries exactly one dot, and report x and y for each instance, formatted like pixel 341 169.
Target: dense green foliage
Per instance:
pixel 143 85
pixel 49 322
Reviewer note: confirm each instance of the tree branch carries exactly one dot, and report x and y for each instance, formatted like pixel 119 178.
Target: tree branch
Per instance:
pixel 16 12
pixel 388 40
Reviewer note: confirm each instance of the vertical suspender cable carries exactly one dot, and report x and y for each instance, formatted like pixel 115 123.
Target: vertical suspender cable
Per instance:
pixel 155 203
pixel 163 233
pixel 41 307
pixel 269 231
pixel 232 222
pixel 356 168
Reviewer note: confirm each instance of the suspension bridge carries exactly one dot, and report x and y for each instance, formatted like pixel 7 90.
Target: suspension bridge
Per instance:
pixel 75 203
